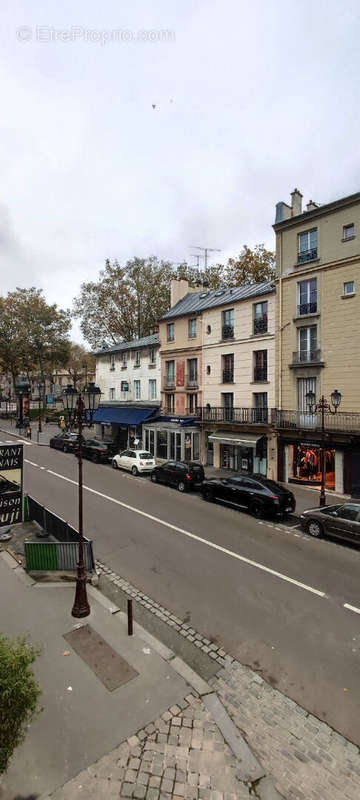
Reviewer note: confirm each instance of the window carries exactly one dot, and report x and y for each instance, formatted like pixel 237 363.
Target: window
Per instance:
pixel 191 403
pixel 192 328
pixel 305 385
pixel 152 355
pixel 192 372
pixel 228 368
pixel 260 365
pixel 228 324
pixel 112 362
pixel 349 287
pixel 307 297
pixel 348 232
pixel 169 374
pixel 308 244
pixel 137 358
pixel 228 405
pixel 123 360
pixel 171 332
pixel 170 403
pixel 260 317
pixel 260 407
pixel 111 394
pixel 208 369
pixel 208 329
pixel 307 344
pixel 137 390
pixel 152 390
pixel 348 512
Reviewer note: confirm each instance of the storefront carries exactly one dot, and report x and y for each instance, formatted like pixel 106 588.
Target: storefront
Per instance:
pixel 123 425
pixel 236 452
pixel 175 438
pixel 299 461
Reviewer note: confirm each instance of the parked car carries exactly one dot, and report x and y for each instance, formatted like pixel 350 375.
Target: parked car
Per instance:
pixel 341 521
pixel 261 496
pixel 65 441
pixel 181 474
pixel 97 450
pixel 134 460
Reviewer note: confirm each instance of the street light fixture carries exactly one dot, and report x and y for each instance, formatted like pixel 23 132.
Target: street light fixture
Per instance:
pixel 323 406
pixel 81 407
pixel 41 387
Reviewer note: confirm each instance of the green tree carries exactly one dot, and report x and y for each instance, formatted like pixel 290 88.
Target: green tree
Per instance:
pixel 250 266
pixel 125 302
pixel 80 365
pixel 213 275
pixel 19 694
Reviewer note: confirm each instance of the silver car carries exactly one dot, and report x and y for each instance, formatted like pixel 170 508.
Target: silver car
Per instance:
pixel 340 521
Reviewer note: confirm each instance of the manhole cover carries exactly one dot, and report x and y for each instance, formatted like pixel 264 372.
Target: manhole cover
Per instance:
pixel 106 663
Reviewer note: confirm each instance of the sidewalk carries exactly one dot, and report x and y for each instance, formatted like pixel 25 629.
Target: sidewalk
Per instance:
pixel 152 737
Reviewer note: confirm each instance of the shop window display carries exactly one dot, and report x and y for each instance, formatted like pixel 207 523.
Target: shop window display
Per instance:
pixel 307 465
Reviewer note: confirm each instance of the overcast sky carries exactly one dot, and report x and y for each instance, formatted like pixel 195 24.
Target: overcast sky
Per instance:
pixel 252 99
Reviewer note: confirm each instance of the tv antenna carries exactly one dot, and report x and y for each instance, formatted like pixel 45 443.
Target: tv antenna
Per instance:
pixel 203 255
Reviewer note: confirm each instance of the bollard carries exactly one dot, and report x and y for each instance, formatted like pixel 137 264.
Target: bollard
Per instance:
pixel 130 617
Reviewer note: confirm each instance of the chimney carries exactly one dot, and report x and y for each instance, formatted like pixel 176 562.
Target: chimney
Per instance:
pixel 296 202
pixel 311 206
pixel 283 211
pixel 179 288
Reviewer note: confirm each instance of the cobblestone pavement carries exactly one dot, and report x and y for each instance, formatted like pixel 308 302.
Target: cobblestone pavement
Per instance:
pixel 305 757
pixel 181 756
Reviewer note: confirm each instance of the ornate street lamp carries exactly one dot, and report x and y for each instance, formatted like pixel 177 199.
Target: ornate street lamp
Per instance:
pixel 81 407
pixel 41 387
pixel 323 406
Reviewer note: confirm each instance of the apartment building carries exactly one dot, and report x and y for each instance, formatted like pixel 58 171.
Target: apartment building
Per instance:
pixel 317 340
pixel 239 379
pixel 129 377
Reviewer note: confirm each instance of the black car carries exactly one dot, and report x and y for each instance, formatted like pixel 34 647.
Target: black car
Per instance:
pixel 259 495
pixel 97 450
pixel 180 474
pixel 340 521
pixel 65 441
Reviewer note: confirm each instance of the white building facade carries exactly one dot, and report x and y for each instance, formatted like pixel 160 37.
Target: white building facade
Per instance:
pixel 129 376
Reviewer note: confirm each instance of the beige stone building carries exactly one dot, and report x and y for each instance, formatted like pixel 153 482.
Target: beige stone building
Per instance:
pixel 218 373
pixel 318 338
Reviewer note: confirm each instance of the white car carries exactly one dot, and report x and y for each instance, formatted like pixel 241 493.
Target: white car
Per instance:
pixel 135 461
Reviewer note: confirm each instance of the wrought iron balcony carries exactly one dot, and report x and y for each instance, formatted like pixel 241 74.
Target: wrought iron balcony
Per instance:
pixel 342 421
pixel 260 324
pixel 193 412
pixel 192 382
pixel 169 382
pixel 260 374
pixel 242 416
pixel 307 308
pixel 306 357
pixel 228 332
pixel 307 255
pixel 228 376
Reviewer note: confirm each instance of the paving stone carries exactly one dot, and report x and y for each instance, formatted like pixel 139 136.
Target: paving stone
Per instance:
pixel 179 789
pixel 152 794
pixel 130 775
pixel 167 785
pixel 139 791
pixel 127 789
pixel 134 763
pixel 155 781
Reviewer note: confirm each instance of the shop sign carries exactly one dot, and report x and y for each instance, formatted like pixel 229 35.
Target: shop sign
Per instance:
pixel 244 463
pixel 310 444
pixel 11 484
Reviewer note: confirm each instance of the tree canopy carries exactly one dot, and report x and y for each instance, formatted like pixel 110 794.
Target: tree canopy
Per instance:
pixel 19 694
pixel 33 334
pixel 127 300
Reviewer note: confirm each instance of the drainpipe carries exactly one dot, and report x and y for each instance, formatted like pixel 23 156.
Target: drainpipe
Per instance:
pixel 280 325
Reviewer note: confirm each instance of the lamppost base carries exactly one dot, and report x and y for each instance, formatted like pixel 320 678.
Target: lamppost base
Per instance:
pixel 322 500
pixel 81 606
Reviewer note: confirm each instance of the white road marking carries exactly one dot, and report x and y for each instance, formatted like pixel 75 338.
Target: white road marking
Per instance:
pixel 30 462
pixel 352 608
pixel 196 538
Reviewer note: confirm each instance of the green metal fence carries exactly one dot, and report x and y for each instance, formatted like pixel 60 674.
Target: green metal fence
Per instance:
pixel 47 556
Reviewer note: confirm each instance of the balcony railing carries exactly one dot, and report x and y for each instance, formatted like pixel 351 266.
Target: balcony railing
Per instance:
pixel 169 382
pixel 307 308
pixel 307 357
pixel 228 376
pixel 192 382
pixel 227 331
pixel 260 374
pixel 193 412
pixel 307 255
pixel 242 416
pixel 260 325
pixel 342 421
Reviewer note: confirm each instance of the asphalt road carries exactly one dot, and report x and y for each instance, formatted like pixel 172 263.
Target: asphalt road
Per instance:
pixel 283 613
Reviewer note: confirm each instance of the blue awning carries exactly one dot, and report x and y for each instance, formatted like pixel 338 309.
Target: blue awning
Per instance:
pixel 123 416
